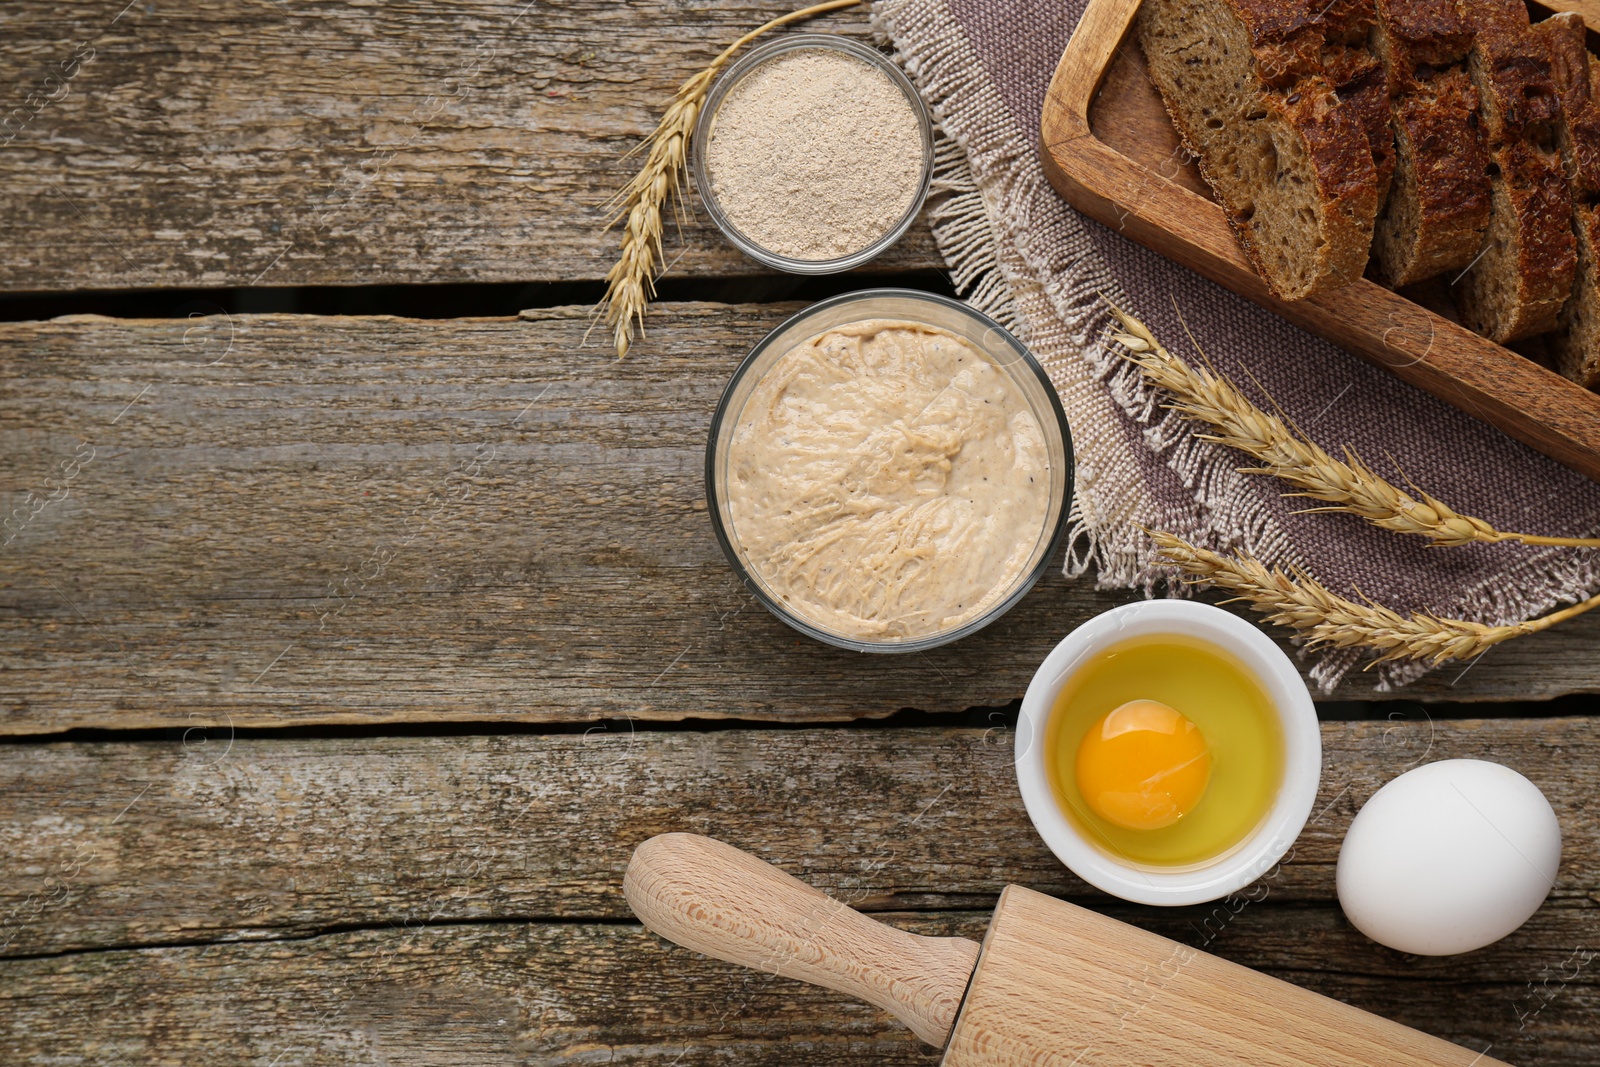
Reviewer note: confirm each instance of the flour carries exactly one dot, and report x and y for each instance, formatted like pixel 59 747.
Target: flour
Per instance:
pixel 815 155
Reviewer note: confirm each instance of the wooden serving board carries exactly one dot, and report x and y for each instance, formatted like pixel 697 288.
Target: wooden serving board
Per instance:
pixel 1111 151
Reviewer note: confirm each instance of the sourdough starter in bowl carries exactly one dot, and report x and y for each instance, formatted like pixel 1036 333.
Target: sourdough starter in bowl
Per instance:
pixel 887 481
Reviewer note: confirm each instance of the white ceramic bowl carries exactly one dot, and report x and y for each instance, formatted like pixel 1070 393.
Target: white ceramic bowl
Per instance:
pixel 1238 867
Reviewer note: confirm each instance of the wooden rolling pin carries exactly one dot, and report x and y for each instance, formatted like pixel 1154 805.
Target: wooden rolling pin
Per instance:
pixel 1052 984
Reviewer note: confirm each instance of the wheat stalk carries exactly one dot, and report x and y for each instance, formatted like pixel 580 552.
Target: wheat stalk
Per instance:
pixel 1347 485
pixel 630 283
pixel 1298 601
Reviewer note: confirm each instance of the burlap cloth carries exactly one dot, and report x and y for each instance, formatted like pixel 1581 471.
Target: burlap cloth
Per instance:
pixel 1018 251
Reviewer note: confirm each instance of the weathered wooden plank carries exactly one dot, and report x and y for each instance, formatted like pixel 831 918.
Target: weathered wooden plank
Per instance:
pixel 225 143
pixel 202 840
pixel 522 993
pixel 278 520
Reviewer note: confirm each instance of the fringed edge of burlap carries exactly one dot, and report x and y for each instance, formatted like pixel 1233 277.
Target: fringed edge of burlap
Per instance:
pixel 963 230
pixel 960 223
pixel 1102 533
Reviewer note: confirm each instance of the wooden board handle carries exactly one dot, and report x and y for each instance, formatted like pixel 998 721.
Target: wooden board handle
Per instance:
pixel 713 898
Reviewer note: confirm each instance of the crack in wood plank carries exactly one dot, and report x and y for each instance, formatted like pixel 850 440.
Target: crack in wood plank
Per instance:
pixel 377 520
pixel 130 844
pixel 222 143
pixel 539 994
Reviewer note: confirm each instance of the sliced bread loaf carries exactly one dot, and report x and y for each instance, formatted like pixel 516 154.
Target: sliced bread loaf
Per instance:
pixel 1576 344
pixel 1438 205
pixel 1291 163
pixel 1523 274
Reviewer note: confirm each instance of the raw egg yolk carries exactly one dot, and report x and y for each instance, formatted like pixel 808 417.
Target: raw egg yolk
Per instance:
pixel 1143 766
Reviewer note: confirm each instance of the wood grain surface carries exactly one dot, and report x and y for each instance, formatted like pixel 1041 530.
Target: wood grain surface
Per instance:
pixel 208 837
pixel 280 520
pixel 1106 151
pixel 223 525
pixel 234 143
pixel 1059 981
pixel 355 899
pixel 706 895
pixel 522 993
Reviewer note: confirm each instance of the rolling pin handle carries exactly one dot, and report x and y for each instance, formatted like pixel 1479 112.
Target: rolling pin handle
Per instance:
pixel 714 898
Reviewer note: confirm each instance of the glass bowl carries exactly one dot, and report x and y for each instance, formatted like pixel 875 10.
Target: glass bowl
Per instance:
pixel 708 116
pixel 1009 354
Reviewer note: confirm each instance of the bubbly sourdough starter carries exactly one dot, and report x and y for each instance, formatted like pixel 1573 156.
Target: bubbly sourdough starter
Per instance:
pixel 887 480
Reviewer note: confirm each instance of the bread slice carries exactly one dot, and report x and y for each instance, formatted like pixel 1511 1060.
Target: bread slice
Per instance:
pixel 1523 274
pixel 1365 92
pixel 1290 163
pixel 1576 345
pixel 1438 206
pixel 1357 74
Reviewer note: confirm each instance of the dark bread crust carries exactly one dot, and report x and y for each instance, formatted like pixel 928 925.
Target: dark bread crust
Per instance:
pixel 1523 276
pixel 1577 346
pixel 1438 210
pixel 1292 39
pixel 1576 74
pixel 1357 74
pixel 1296 39
pixel 1422 34
pixel 1338 143
pixel 1362 86
pixel 1573 70
pixel 1292 115
pixel 1346 181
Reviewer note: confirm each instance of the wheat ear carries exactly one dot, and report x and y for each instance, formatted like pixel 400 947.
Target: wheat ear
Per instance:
pixel 1298 601
pixel 630 283
pixel 1347 485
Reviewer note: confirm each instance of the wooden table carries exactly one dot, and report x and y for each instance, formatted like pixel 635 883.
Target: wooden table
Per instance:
pixel 347 656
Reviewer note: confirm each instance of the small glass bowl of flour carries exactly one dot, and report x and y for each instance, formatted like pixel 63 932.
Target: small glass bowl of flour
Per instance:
pixel 813 153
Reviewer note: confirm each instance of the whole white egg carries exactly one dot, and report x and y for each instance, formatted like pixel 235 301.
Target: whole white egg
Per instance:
pixel 1449 857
